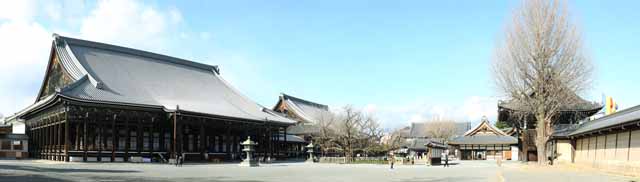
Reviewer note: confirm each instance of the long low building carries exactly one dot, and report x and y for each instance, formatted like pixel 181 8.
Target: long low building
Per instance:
pixel 101 102
pixel 610 143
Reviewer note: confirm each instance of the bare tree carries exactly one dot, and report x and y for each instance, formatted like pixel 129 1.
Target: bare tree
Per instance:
pixel 395 139
pixel 440 129
pixel 326 133
pixel 541 64
pixel 347 132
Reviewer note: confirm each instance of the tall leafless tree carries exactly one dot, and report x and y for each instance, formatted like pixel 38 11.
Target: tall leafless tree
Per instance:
pixel 541 64
pixel 326 133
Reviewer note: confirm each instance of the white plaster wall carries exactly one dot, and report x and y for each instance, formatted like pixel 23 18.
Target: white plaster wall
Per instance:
pixel 514 153
pixel 18 128
pixel 564 150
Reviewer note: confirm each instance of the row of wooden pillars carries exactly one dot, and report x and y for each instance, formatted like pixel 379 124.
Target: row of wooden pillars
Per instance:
pixel 108 135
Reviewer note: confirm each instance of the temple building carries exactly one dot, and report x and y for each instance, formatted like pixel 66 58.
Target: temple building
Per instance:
pixel 101 102
pixel 307 114
pixel 524 124
pixel 485 141
pixel 12 145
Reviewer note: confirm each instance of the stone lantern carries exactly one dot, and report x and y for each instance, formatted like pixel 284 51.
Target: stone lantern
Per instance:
pixel 249 148
pixel 310 151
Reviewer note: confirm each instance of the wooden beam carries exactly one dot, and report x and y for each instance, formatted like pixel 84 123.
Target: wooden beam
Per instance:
pixel 114 138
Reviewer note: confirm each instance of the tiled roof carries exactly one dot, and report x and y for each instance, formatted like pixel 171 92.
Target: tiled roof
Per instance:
pixel 613 120
pixel 308 111
pixel 120 75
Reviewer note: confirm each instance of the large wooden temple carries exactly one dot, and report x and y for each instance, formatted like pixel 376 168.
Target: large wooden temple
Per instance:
pixel 101 102
pixel 524 124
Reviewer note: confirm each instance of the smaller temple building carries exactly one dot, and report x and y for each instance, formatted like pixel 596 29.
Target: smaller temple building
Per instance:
pixel 12 145
pixel 307 114
pixel 485 142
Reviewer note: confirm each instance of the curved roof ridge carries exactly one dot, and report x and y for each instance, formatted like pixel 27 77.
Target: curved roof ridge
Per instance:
pixel 70 61
pixel 137 52
pixel 289 97
pixel 486 122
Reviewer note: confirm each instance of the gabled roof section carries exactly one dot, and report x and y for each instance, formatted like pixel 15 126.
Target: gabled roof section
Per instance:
pixel 485 128
pixel 112 74
pixel 308 111
pixel 618 119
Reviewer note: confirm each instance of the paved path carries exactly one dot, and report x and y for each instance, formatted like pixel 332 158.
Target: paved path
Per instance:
pixel 48 171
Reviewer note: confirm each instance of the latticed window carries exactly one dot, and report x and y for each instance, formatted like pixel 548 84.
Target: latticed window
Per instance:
pixel 17 145
pixel 167 141
pixel 156 141
pixel 133 141
pixel 122 139
pixel 145 141
pixel 6 145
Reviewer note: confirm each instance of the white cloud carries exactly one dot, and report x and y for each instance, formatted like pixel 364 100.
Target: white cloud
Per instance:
pixel 476 107
pixel 26 42
pixel 130 23
pixel 24 50
pixel 18 10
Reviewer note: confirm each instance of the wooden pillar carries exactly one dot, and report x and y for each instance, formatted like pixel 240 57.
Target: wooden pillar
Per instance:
pixel 127 140
pixel 161 131
pixel 227 138
pixel 114 138
pixel 270 133
pixel 139 136
pixel 84 138
pixel 174 150
pixel 203 139
pixel 40 140
pixel 286 145
pixel 59 139
pixel 152 131
pixel 66 136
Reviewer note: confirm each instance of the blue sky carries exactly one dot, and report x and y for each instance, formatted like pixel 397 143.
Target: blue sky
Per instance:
pixel 403 61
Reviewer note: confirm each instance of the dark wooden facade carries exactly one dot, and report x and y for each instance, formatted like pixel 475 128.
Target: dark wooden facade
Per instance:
pixel 109 133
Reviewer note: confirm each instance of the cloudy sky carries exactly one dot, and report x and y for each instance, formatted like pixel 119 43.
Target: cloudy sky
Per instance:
pixel 406 62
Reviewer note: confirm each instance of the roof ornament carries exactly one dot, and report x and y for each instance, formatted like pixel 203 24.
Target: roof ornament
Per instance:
pixel 216 69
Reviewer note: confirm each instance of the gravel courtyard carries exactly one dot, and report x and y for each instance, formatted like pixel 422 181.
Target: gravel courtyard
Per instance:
pixel 49 171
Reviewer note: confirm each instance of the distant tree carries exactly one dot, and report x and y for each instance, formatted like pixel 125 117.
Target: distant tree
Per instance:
pixel 541 64
pixel 501 124
pixel 440 129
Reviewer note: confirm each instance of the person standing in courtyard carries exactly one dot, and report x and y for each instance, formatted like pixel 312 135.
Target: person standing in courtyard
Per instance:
pixel 392 159
pixel 446 158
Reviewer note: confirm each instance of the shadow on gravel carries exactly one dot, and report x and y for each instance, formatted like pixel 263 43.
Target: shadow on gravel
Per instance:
pixel 30 178
pixel 438 179
pixel 62 170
